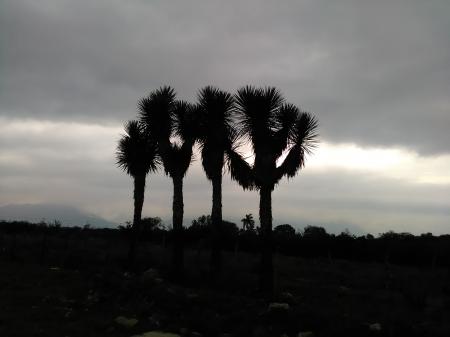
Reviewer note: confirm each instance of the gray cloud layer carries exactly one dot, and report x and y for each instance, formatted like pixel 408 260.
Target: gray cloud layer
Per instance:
pixel 374 72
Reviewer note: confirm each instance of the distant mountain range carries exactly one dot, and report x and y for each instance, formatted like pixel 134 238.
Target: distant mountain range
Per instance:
pixel 67 215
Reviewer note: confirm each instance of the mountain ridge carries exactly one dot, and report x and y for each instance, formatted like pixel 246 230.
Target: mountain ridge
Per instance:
pixel 67 215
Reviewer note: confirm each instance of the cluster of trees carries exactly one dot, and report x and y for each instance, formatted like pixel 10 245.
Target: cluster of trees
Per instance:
pixel 219 122
pixel 425 250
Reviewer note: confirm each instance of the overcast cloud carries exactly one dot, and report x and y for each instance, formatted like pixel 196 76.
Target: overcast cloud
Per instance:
pixel 375 73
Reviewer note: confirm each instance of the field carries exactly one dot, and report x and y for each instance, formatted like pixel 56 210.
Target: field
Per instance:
pixel 77 286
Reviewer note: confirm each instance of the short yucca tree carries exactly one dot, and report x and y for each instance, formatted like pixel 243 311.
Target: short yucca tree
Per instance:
pixel 137 155
pixel 172 124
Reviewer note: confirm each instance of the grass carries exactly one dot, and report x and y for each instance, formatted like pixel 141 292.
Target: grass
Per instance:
pixel 77 287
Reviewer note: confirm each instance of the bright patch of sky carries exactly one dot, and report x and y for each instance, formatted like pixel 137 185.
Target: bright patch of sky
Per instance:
pixel 389 162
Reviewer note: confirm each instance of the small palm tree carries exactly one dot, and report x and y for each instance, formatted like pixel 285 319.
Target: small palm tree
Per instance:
pixel 248 223
pixel 274 129
pixel 172 124
pixel 216 135
pixel 137 156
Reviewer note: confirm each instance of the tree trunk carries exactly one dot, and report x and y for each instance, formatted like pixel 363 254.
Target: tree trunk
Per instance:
pixel 265 216
pixel 177 222
pixel 139 188
pixel 43 247
pixel 216 228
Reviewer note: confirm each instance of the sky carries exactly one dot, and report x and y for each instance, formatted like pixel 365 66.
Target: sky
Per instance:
pixel 376 74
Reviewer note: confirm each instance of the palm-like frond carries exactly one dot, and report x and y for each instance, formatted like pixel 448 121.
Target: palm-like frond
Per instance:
pixel 215 128
pixel 304 133
pixel 217 107
pixel 286 118
pixel 136 152
pixel 272 127
pixel 303 138
pixel 240 170
pixel 256 114
pixel 156 112
pixel 212 160
pixel 177 159
pixel 294 161
pixel 185 121
pixel 166 117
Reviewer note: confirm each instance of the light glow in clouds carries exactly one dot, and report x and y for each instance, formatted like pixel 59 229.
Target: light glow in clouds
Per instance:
pixel 388 162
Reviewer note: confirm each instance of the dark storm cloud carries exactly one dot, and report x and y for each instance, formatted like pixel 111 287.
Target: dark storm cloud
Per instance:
pixel 375 72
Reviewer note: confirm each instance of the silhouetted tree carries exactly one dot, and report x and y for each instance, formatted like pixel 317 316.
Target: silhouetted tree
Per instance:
pixel 315 232
pixel 273 129
pixel 201 221
pixel 285 229
pixel 248 223
pixel 216 135
pixel 172 124
pixel 137 156
pixel 152 223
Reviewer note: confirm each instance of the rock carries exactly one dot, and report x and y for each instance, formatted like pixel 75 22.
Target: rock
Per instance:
pixel 157 334
pixel 154 321
pixel 92 298
pixel 126 322
pixel 184 331
pixel 375 327
pixel 259 331
pixel 275 306
pixel 192 296
pixel 171 290
pixel 287 297
pixel 305 334
pixel 68 313
pixel 343 290
pixel 158 280
pixel 150 274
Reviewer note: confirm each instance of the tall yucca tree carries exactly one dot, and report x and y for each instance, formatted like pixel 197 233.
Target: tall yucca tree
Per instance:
pixel 216 136
pixel 171 122
pixel 274 129
pixel 136 154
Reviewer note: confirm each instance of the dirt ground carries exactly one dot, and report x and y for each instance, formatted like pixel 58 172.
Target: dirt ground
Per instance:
pixel 58 296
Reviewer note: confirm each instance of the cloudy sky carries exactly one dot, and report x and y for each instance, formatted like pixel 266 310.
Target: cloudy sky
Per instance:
pixel 376 74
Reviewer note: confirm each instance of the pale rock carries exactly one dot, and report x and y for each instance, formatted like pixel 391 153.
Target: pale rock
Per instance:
pixel 287 297
pixel 275 306
pixel 150 274
pixel 157 334
pixel 126 322
pixel 184 331
pixel 375 327
pixel 305 334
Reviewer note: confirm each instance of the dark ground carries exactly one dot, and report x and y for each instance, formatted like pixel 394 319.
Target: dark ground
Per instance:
pixel 61 287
